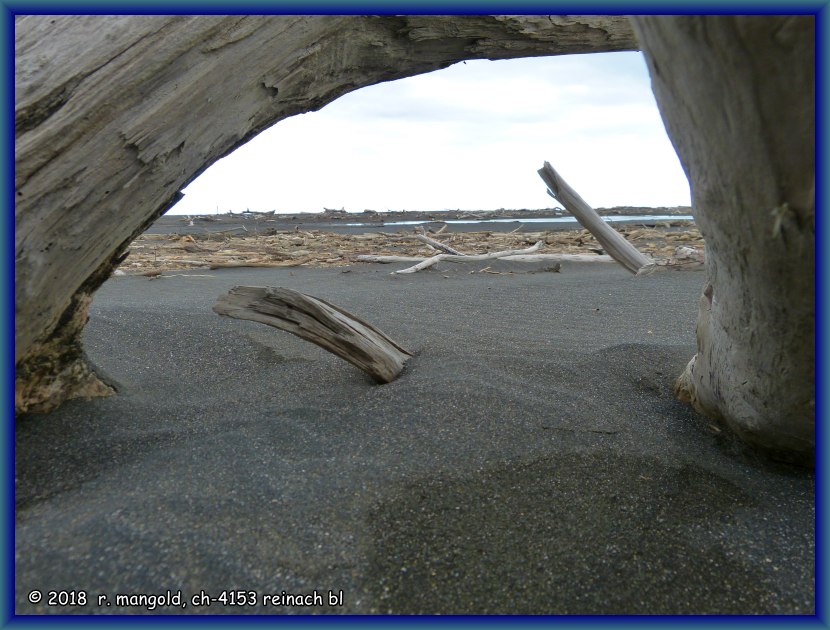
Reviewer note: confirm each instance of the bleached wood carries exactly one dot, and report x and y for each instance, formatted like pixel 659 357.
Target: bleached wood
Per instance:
pixel 321 323
pixel 612 241
pixel 591 258
pixel 439 245
pixel 603 258
pixel 474 257
pixel 737 95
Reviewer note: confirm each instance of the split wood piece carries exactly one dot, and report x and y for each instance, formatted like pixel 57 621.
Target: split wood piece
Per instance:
pixel 319 322
pixel 471 258
pixel 611 240
pixel 515 258
pixel 439 245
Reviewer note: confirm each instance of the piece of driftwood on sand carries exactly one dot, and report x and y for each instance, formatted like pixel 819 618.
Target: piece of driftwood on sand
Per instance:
pixel 321 323
pixel 612 241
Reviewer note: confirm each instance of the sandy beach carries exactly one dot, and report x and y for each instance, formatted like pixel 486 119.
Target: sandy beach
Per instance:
pixel 530 459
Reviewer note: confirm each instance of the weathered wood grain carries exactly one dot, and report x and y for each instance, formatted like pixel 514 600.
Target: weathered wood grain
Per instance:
pixel 600 258
pixel 617 247
pixel 321 323
pixel 737 95
pixel 429 262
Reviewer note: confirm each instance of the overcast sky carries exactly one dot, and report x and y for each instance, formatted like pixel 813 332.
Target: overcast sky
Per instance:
pixel 469 137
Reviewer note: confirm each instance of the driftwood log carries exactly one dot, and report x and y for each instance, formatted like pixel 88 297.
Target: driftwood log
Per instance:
pixel 439 245
pixel 429 262
pixel 620 249
pixel 737 94
pixel 602 258
pixel 321 323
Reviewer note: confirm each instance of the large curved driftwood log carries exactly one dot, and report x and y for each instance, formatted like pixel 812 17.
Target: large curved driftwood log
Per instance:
pixel 737 96
pixel 114 115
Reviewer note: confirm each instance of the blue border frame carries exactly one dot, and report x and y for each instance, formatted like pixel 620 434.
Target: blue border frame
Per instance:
pixel 7 272
pixel 8 9
pixel 456 7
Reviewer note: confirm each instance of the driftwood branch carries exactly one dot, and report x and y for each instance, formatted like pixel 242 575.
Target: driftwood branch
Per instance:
pixel 439 245
pixel 471 258
pixel 515 258
pixel 321 323
pixel 612 241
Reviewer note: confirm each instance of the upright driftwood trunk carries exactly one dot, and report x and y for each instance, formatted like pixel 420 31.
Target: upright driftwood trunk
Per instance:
pixel 114 115
pixel 737 96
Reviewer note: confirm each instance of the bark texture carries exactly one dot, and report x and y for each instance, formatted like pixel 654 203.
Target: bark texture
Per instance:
pixel 737 96
pixel 114 115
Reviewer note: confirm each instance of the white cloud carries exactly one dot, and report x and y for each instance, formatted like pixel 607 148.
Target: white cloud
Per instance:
pixel 471 137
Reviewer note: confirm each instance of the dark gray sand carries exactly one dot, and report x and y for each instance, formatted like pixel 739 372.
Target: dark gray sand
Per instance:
pixel 531 458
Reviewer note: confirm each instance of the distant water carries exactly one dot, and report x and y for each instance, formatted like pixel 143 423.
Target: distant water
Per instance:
pixel 567 219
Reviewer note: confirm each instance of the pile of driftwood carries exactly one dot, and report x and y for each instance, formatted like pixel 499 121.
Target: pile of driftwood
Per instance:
pixel 529 254
pixel 673 244
pixel 151 254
